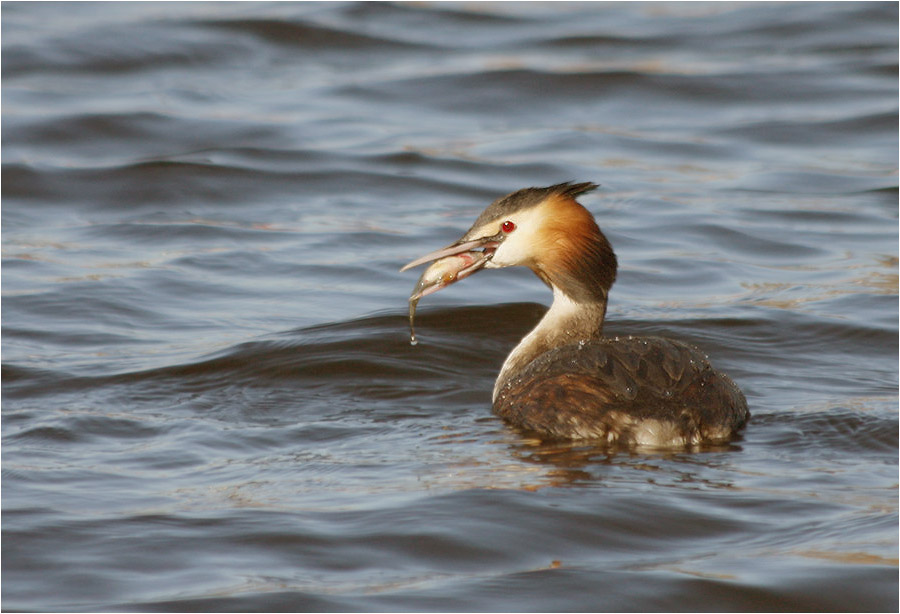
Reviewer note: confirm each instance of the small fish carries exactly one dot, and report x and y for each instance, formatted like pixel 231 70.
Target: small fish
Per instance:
pixel 441 274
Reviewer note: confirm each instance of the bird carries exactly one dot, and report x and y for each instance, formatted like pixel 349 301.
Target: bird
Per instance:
pixel 565 380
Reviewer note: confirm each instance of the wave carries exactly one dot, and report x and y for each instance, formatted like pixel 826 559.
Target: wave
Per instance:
pixel 309 37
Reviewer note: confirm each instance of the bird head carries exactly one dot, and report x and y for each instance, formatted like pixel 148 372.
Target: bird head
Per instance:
pixel 545 229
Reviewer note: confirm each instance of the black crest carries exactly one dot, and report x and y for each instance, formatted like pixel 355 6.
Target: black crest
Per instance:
pixel 529 197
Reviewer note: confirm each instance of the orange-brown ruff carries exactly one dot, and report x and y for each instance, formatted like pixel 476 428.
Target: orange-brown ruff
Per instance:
pixel 565 379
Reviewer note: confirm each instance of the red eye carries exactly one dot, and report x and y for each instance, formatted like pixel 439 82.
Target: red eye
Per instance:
pixel 507 226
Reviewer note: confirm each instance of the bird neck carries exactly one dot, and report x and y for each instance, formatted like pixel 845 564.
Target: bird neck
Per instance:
pixel 567 321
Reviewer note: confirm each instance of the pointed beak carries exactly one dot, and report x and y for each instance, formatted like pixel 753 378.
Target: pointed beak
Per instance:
pixel 489 244
pixel 452 263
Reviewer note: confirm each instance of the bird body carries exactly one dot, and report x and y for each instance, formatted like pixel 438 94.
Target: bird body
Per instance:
pixel 646 391
pixel 565 380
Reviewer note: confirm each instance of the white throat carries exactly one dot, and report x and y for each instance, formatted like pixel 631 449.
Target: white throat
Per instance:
pixel 565 322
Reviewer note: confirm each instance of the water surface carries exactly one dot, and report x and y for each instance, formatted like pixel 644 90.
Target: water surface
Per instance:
pixel 209 398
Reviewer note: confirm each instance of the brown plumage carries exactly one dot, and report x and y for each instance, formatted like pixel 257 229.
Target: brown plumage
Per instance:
pixel 632 390
pixel 565 379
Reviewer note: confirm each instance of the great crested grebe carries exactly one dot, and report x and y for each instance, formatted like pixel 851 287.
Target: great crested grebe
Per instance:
pixel 565 380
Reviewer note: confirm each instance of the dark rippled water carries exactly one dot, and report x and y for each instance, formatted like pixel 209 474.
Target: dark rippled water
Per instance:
pixel 209 398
